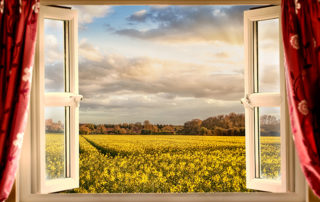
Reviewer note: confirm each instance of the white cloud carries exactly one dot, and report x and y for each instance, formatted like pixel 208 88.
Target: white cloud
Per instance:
pixel 89 52
pixel 189 24
pixel 88 13
pixel 113 74
pixel 51 40
pixel 131 108
pixel 53 49
pixel 218 12
pixel 172 83
pixel 140 13
pixel 53 25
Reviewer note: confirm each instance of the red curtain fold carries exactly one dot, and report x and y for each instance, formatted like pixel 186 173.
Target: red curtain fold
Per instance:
pixel 301 39
pixel 18 27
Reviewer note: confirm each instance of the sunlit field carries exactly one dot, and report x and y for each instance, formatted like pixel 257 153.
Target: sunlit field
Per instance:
pixel 162 163
pixel 55 156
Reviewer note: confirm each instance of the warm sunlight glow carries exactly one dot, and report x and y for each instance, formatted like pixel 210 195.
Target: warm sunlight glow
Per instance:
pixel 161 109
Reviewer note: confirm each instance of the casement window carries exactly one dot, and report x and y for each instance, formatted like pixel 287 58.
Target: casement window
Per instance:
pixel 61 98
pixel 265 95
pixel 56 99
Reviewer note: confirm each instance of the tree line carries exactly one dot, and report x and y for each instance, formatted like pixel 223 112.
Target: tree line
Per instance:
pixel 222 125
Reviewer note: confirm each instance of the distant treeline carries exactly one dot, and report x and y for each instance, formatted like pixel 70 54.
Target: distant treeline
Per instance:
pixel 222 125
pixel 54 127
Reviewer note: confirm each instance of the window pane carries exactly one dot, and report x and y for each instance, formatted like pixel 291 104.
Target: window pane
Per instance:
pixel 268 56
pixel 269 142
pixel 55 122
pixel 54 55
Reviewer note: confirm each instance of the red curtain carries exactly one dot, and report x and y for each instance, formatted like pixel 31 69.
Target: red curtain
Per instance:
pixel 18 27
pixel 301 39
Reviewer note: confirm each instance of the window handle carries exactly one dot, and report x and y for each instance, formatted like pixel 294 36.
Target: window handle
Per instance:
pixel 77 99
pixel 246 102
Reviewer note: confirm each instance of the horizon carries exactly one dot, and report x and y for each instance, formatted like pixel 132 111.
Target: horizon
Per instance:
pixel 120 123
pixel 141 121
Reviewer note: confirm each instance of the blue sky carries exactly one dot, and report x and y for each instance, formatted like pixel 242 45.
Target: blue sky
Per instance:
pixel 166 64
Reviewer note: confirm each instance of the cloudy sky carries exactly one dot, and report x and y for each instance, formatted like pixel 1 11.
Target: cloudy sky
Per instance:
pixel 166 64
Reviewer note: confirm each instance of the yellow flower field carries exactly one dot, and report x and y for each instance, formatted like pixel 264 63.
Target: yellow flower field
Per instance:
pixel 165 163
pixel 55 156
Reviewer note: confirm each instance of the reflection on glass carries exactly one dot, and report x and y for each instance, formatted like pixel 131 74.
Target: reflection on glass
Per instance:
pixel 55 142
pixel 268 56
pixel 269 126
pixel 54 55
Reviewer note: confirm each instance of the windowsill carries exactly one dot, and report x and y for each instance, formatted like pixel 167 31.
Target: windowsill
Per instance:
pixel 174 197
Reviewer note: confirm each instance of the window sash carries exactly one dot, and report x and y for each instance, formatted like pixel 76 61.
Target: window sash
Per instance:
pixel 68 98
pixel 256 99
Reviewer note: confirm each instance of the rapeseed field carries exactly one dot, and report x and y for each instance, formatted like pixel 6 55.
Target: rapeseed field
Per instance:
pixel 162 163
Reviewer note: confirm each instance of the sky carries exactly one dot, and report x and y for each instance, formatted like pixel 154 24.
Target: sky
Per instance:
pixel 165 64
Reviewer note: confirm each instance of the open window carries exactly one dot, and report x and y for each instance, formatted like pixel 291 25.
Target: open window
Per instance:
pixel 267 134
pixel 56 101
pixel 52 136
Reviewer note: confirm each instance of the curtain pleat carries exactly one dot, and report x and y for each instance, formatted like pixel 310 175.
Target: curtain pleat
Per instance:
pixel 301 39
pixel 18 27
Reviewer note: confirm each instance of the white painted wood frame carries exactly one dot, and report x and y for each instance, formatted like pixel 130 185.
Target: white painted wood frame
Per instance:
pixel 68 99
pixel 256 99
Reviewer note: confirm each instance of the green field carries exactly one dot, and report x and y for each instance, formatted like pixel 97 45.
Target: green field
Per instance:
pixel 162 163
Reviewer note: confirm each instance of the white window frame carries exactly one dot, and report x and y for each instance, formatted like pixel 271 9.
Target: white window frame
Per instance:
pixel 69 99
pixel 253 100
pixel 26 189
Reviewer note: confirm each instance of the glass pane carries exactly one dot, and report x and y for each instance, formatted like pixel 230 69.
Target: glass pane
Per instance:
pixel 55 121
pixel 268 56
pixel 54 55
pixel 269 135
